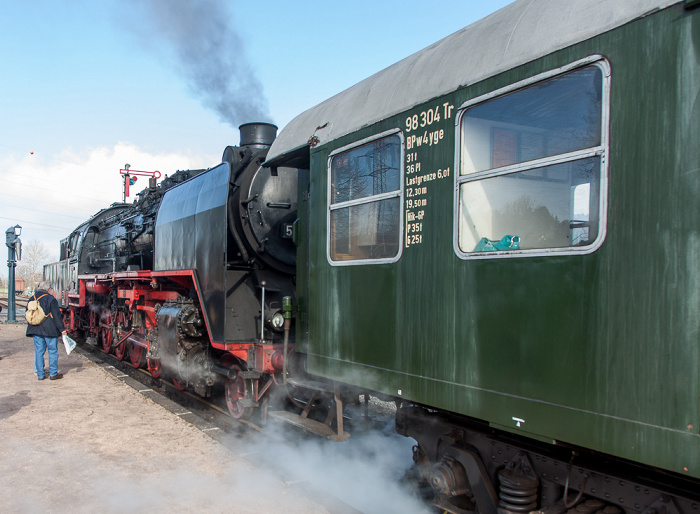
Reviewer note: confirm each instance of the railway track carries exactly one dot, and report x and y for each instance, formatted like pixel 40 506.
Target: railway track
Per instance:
pixel 209 411
pixel 323 469
pixel 20 302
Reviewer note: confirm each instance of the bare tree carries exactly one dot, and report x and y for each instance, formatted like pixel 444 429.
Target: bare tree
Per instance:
pixel 31 267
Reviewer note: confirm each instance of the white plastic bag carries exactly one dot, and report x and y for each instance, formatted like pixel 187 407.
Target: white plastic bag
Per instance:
pixel 68 343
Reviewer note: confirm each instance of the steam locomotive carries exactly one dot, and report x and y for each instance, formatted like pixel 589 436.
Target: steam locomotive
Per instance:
pixel 189 281
pixel 499 233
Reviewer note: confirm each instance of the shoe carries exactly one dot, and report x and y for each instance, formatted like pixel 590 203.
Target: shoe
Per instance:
pixel 41 378
pixel 56 376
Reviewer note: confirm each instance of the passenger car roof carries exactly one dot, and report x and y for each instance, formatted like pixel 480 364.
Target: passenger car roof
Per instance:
pixel 516 34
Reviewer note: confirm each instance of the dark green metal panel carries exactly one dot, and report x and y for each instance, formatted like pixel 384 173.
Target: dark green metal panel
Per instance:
pixel 598 350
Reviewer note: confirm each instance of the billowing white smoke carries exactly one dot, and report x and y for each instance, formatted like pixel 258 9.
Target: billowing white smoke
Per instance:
pixel 210 55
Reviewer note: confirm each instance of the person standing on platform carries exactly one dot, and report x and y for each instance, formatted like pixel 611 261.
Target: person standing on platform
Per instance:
pixel 47 332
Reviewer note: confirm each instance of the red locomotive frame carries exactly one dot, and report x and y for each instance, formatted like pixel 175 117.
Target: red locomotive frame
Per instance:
pixel 104 309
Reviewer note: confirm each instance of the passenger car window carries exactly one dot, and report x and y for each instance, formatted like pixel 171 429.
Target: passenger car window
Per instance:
pixel 365 202
pixel 532 176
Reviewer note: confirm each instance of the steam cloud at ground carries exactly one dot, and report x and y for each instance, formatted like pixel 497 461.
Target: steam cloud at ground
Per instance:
pixel 165 485
pixel 365 472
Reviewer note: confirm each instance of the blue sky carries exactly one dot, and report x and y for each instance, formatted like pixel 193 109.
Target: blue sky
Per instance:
pixel 89 85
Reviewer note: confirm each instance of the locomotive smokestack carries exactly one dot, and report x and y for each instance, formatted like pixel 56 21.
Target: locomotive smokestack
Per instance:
pixel 258 134
pixel 254 138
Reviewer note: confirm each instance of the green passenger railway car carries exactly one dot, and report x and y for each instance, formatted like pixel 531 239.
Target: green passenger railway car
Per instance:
pixel 501 232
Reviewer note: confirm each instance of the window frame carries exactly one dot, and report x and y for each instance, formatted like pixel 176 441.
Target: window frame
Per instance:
pixel 601 151
pixel 399 193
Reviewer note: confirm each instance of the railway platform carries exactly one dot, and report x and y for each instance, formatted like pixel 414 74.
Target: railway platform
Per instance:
pixel 92 443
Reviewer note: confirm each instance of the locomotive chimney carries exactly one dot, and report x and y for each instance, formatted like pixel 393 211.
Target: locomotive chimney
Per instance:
pixel 260 135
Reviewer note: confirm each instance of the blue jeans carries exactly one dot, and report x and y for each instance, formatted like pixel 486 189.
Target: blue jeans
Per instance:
pixel 41 343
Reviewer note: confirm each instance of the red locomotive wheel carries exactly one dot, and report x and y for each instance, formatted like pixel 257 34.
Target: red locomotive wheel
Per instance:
pixel 120 321
pixel 120 351
pixel 235 396
pixel 106 337
pixel 136 355
pixel 154 367
pixel 178 385
pixel 106 333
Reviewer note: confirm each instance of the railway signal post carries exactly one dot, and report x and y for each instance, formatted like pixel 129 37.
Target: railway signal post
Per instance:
pixel 130 177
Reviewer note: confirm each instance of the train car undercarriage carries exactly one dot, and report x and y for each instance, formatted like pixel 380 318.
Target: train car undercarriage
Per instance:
pixel 472 467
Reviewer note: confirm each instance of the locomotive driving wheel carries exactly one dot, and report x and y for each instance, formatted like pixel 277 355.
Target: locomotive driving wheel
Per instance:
pixel 65 315
pixel 120 349
pixel 154 367
pixel 105 332
pixel 136 354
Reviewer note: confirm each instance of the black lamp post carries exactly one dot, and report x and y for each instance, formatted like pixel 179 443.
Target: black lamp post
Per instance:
pixel 14 254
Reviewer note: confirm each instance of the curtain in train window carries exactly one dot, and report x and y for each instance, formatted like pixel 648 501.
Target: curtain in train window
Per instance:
pixel 365 203
pixel 531 174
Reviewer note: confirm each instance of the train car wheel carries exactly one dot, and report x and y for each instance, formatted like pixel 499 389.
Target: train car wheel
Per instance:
pixel 235 397
pixel 178 384
pixel 136 355
pixel 154 367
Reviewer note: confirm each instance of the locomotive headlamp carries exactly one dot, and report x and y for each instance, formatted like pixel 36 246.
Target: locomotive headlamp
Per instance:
pixel 277 321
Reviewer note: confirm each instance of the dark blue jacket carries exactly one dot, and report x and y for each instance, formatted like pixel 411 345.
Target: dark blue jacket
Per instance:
pixel 52 326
